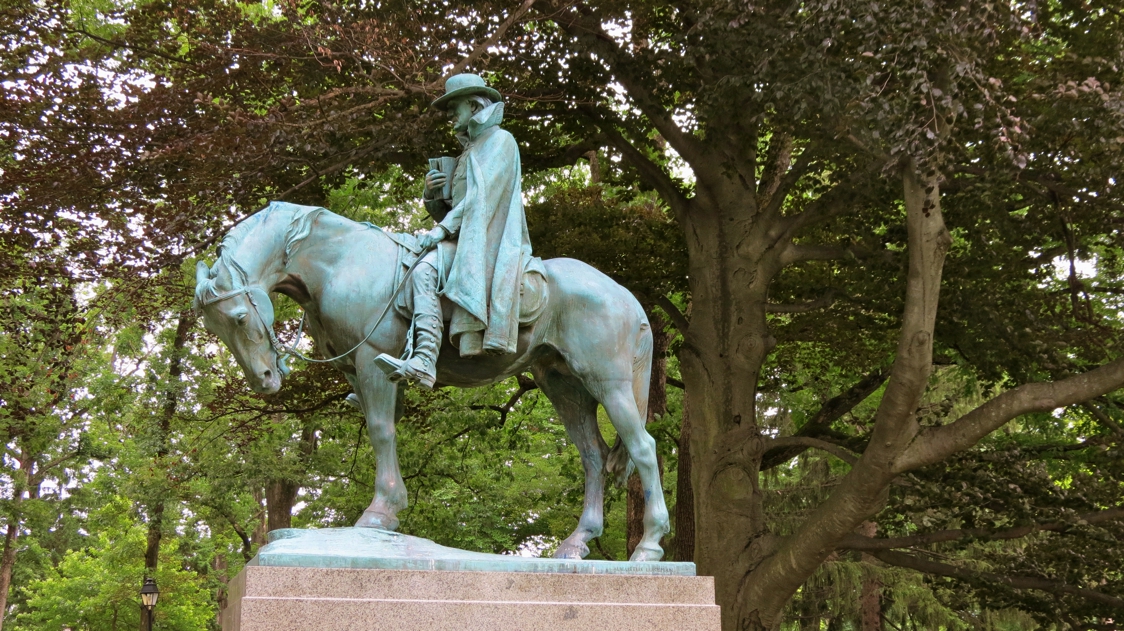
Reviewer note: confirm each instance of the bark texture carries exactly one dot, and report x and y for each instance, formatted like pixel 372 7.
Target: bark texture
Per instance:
pixel 740 219
pixel 684 548
pixel 723 351
pixel 7 562
pixel 280 495
pixel 870 600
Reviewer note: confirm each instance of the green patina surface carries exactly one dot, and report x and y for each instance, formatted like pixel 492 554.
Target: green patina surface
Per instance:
pixel 372 548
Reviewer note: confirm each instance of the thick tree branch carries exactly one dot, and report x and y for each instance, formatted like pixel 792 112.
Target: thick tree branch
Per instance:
pixel 834 202
pixel 778 159
pixel 900 559
pixel 247 543
pixel 858 542
pixel 652 173
pixel 861 492
pixel 565 156
pixel 788 179
pixel 935 444
pixel 909 376
pixel 41 471
pixel 1103 418
pixel 798 253
pixel 804 442
pixel 830 412
pixel 795 253
pixel 677 318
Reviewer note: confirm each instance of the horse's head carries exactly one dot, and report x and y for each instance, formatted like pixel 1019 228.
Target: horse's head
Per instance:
pixel 242 317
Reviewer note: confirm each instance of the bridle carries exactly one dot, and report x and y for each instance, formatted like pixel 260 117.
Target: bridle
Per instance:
pixel 273 341
pixel 291 351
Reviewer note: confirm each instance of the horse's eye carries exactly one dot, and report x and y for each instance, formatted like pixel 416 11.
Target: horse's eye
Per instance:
pixel 241 317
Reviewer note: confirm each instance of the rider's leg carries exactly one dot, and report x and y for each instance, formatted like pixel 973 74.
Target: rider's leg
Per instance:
pixel 422 363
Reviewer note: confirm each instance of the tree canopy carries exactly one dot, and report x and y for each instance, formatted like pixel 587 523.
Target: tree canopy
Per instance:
pixel 883 241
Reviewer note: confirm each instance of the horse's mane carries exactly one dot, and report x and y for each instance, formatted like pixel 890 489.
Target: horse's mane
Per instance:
pixel 300 225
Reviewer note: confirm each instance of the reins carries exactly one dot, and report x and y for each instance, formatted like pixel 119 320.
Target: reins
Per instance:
pixel 292 351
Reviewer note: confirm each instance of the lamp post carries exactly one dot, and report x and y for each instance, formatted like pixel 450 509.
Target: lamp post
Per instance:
pixel 149 593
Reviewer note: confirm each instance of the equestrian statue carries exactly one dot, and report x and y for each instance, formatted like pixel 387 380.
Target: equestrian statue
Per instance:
pixel 464 304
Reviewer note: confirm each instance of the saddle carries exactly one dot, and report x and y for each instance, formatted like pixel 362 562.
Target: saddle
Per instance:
pixel 533 291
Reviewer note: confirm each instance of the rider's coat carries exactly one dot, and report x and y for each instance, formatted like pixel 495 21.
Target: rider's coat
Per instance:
pixel 492 246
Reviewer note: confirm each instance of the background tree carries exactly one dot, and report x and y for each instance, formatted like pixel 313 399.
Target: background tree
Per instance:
pixel 832 169
pixel 890 114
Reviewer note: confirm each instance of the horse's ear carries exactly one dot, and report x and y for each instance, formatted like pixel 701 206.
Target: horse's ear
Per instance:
pixel 202 273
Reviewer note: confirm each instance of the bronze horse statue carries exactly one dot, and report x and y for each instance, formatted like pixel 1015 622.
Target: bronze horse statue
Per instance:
pixel 590 344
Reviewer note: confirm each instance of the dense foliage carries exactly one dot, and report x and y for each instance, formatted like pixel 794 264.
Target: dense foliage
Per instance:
pixel 757 173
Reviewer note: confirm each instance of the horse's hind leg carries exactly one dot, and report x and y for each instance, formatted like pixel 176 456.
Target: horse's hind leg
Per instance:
pixel 578 411
pixel 620 402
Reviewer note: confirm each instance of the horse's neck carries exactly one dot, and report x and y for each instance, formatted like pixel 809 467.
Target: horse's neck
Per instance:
pixel 261 253
pixel 330 246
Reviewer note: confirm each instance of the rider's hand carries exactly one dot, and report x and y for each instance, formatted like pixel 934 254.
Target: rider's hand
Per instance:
pixel 430 239
pixel 434 180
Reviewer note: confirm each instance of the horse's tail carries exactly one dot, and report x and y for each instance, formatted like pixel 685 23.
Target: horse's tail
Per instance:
pixel 618 464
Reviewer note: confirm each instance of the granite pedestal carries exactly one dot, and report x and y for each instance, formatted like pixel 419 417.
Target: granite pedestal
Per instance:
pixel 359 579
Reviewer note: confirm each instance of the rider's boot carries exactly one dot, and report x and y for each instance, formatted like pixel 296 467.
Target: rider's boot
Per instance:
pixel 422 364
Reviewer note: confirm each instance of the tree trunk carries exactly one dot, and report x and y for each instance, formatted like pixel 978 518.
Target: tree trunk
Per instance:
pixel 634 514
pixel 155 533
pixel 8 558
pixel 862 492
pixel 280 495
pixel 156 505
pixel 7 562
pixel 684 548
pixel 222 591
pixel 721 357
pixel 257 537
pixel 152 553
pixel 657 407
pixel 870 600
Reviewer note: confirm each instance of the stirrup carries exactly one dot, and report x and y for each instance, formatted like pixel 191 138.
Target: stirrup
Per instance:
pixel 389 364
pixel 404 370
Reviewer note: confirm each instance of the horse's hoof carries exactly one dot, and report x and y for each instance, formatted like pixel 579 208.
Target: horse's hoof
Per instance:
pixel 646 553
pixel 371 519
pixel 576 551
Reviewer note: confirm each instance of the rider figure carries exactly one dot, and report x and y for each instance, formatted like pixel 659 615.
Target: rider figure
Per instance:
pixel 479 248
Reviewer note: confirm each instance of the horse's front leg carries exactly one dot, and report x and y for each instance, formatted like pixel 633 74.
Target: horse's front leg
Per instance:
pixel 377 396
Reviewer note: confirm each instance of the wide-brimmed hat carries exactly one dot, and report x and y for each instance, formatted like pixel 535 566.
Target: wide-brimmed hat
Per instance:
pixel 465 85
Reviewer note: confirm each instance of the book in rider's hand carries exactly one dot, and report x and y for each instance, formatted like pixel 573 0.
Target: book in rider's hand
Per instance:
pixel 446 165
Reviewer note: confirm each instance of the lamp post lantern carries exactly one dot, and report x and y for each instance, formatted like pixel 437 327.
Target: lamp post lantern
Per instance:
pixel 149 594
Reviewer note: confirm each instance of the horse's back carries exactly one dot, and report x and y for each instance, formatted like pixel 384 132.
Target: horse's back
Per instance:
pixel 590 323
pixel 590 318
pixel 573 282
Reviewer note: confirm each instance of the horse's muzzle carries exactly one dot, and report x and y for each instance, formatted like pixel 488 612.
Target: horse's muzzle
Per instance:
pixel 268 382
